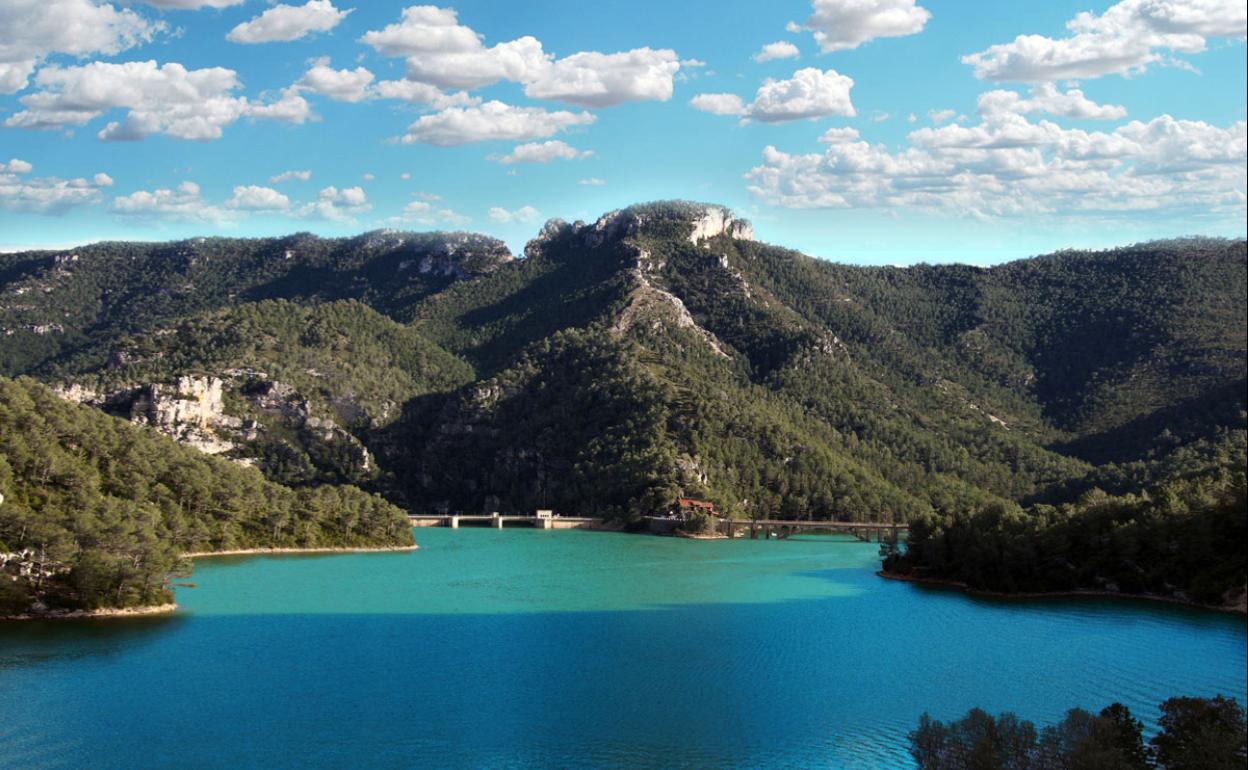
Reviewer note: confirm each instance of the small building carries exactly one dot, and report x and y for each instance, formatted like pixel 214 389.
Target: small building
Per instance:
pixel 545 513
pixel 688 506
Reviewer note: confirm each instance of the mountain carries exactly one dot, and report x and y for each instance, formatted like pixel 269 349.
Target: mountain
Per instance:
pixel 656 352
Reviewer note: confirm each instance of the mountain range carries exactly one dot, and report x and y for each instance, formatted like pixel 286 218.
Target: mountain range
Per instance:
pixel 658 352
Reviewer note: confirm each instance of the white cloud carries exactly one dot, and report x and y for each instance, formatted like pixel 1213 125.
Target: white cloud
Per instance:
pixel 290 108
pixel 839 25
pixel 942 116
pixel 542 152
pixel 168 99
pixel 405 176
pixel 256 198
pixel 593 181
pixel 781 49
pixel 343 85
pixel 183 202
pixel 1126 39
pixel 810 93
pixel 286 176
pixel 1046 98
pixel 46 195
pixel 337 205
pixel 592 79
pixel 1007 165
pixel 424 213
pixel 719 104
pixel 489 121
pixel 282 23
pixel 30 30
pixel 191 5
pixel 522 215
pixel 443 53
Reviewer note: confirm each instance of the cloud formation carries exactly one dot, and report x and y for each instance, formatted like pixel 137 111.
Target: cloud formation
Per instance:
pixel 840 25
pixel 1007 165
pixel 443 53
pixel 46 195
pixel 781 49
pixel 810 93
pixel 166 99
pixel 1126 39
pixel 31 30
pixel 283 23
pixel 523 215
pixel 490 121
pixel 542 152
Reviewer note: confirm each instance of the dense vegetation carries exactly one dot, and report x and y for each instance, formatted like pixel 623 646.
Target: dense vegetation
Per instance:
pixel 98 513
pixel 1196 734
pixel 1183 538
pixel 619 365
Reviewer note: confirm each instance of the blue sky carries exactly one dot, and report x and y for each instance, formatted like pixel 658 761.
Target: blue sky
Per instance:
pixel 887 132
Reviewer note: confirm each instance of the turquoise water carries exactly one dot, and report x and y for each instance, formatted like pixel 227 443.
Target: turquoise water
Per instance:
pixel 527 649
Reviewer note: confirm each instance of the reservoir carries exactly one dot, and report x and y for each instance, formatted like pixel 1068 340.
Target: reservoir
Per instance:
pixel 532 649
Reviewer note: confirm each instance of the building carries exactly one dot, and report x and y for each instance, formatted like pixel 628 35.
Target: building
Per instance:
pixel 688 506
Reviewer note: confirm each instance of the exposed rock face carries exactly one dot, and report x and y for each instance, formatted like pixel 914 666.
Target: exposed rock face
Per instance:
pixel 649 304
pixel 188 410
pixel 719 221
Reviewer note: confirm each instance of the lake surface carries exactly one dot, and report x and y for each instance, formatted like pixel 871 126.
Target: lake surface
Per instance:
pixel 531 649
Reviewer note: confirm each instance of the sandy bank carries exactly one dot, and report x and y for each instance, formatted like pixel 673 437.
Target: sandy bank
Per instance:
pixel 1238 608
pixel 270 551
pixel 106 612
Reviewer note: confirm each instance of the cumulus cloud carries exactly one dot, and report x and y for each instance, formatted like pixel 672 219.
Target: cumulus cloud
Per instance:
pixel 337 205
pixel 168 99
pixel 190 5
pixel 256 198
pixel 839 25
pixel 286 176
pixel 1007 165
pixel 290 108
pixel 425 213
pixel 781 49
pixel 343 85
pixel 522 215
pixel 1126 39
pixel 31 30
pixel 810 93
pixel 593 181
pixel 490 121
pixel 46 195
pixel 542 152
pixel 719 104
pixel 283 23
pixel 183 202
pixel 942 116
pixel 592 79
pixel 1048 99
pixel 443 53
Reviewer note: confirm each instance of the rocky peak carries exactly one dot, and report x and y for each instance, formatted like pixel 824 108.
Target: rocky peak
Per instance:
pixel 716 220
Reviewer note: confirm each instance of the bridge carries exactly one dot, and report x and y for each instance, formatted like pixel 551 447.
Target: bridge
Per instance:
pixel 498 521
pixel 782 528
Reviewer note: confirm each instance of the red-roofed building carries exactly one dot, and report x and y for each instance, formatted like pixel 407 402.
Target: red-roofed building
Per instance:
pixel 689 506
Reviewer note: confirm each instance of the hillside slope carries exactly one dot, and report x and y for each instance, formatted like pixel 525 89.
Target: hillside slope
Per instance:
pixel 662 351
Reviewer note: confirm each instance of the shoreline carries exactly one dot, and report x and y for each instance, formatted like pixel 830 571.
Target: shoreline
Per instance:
pixel 103 612
pixel 277 551
pixel 164 609
pixel 1077 594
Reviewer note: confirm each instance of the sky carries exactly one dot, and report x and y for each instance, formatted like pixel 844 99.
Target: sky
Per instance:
pixel 862 131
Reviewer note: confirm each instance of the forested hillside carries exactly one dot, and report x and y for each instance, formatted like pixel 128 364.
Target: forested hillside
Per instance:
pixel 98 513
pixel 657 352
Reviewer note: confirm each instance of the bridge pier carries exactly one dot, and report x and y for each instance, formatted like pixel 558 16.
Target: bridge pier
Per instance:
pixel 496 521
pixel 454 522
